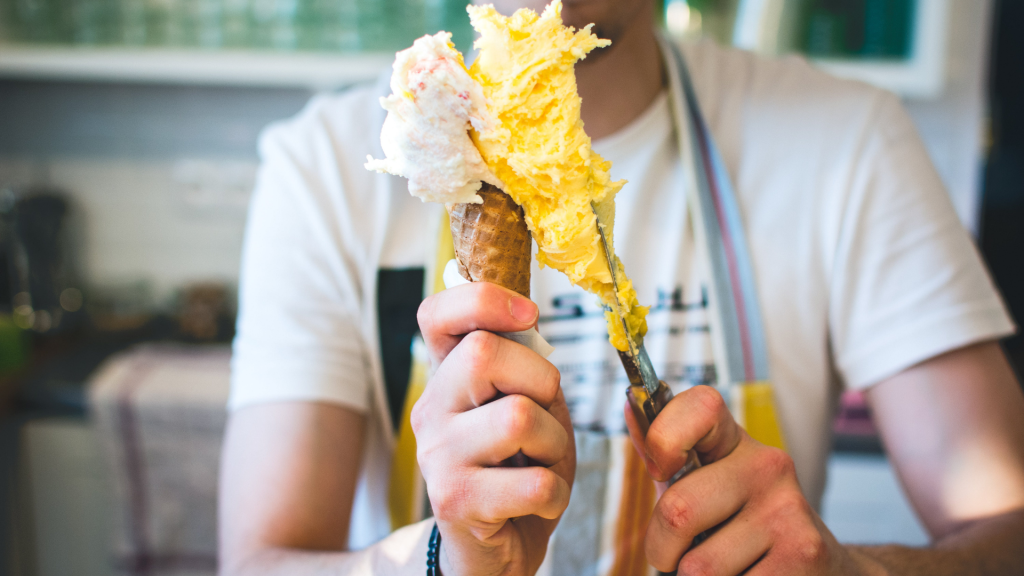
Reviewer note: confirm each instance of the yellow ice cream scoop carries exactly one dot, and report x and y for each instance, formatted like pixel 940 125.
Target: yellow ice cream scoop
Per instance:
pixel 540 152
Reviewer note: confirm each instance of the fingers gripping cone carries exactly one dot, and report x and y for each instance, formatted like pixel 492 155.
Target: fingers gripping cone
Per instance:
pixel 492 242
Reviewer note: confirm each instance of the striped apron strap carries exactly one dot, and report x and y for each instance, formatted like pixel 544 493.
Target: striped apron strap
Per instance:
pixel 739 328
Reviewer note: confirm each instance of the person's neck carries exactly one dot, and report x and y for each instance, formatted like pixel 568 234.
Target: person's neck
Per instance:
pixel 619 85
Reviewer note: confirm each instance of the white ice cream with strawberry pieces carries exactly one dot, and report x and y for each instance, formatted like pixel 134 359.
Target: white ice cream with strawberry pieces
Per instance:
pixel 425 137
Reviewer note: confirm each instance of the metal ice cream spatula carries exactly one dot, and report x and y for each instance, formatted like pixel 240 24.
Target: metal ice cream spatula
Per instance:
pixel 646 393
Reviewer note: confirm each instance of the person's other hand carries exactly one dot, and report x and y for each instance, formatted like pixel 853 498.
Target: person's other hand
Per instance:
pixel 746 494
pixel 490 399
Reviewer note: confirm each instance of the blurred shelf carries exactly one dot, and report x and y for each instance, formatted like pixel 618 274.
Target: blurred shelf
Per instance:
pixel 770 27
pixel 922 76
pixel 182 66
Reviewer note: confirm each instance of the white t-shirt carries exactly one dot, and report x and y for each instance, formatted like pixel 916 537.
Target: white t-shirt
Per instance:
pixel 862 267
pixel 654 239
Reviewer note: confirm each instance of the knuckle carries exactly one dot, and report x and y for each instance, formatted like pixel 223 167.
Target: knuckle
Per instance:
pixel 480 296
pixel 443 510
pixel 443 502
pixel 710 400
pixel 487 292
pixel 447 499
pixel 785 506
pixel 478 349
pixel 773 462
pixel 542 486
pixel 520 418
pixel 676 512
pixel 809 548
pixel 795 502
pixel 491 292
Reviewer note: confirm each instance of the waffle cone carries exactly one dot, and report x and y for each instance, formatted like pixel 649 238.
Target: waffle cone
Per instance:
pixel 492 242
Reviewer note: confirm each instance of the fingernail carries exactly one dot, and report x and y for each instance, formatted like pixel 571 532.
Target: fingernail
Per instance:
pixel 523 310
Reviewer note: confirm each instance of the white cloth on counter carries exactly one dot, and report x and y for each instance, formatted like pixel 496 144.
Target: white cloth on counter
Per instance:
pixel 530 338
pixel 159 413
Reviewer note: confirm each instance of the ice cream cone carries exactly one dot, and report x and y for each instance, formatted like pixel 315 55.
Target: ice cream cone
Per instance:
pixel 492 242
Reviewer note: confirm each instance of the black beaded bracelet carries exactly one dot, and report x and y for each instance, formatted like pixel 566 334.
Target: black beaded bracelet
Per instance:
pixel 434 553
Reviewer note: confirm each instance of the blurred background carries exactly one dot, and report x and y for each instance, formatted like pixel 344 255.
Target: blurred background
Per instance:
pixel 127 156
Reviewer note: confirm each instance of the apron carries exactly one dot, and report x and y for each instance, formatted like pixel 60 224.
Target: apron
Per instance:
pixel 739 346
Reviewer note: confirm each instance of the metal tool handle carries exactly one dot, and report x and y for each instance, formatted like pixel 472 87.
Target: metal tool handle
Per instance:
pixel 645 409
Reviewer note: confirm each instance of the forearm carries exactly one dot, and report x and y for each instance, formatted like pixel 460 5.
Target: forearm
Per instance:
pixel 981 548
pixel 403 553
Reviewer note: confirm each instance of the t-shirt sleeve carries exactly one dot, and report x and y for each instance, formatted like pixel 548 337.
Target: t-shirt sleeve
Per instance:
pixel 298 335
pixel 908 283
